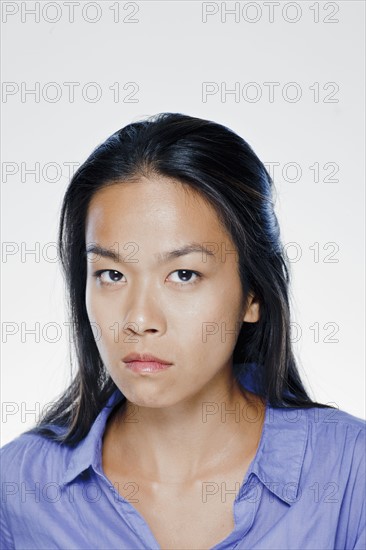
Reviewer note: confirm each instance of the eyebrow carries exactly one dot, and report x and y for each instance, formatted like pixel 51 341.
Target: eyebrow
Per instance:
pixel 164 257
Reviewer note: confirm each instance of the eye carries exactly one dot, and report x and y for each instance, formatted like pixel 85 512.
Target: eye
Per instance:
pixel 187 273
pixel 104 276
pixel 110 277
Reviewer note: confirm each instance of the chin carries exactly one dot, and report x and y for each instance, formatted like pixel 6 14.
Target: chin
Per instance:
pixel 142 395
pixel 150 401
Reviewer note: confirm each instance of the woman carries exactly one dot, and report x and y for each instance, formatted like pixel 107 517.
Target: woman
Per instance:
pixel 187 425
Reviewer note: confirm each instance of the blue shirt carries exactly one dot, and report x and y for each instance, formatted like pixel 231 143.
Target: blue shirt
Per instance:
pixel 304 489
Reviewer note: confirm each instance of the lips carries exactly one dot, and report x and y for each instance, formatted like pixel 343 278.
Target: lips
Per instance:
pixel 144 358
pixel 145 363
pixel 144 367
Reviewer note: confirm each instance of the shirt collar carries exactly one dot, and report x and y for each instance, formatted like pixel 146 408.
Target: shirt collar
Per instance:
pixel 281 452
pixel 88 450
pixel 277 463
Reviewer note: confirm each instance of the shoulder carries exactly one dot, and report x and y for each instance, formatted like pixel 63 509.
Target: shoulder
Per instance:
pixel 338 439
pixel 328 444
pixel 32 457
pixel 334 457
pixel 335 470
pixel 320 422
pixel 26 463
pixel 318 454
pixel 331 432
pixel 335 428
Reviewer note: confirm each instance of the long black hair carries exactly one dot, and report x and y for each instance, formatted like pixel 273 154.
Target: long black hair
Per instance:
pixel 223 168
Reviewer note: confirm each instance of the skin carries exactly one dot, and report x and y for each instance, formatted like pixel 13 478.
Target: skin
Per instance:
pixel 171 436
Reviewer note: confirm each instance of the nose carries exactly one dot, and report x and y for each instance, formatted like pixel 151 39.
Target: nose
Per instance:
pixel 143 310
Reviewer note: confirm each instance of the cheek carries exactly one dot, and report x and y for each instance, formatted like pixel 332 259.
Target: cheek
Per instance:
pixel 100 319
pixel 215 328
pixel 99 310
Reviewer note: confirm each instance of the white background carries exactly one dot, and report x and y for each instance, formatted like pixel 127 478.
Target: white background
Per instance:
pixel 169 53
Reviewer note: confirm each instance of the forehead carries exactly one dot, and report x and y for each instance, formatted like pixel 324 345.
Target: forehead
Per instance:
pixel 155 208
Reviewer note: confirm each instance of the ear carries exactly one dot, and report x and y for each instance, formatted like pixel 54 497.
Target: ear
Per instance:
pixel 252 312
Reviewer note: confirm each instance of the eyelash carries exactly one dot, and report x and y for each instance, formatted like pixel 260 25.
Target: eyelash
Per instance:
pixel 98 274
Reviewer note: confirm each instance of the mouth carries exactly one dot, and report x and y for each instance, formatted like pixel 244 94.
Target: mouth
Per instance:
pixel 149 367
pixel 144 357
pixel 145 363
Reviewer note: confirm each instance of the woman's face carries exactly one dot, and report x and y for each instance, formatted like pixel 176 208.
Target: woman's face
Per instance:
pixel 145 303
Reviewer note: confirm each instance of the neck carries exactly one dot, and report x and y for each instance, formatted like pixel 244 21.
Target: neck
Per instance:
pixel 190 438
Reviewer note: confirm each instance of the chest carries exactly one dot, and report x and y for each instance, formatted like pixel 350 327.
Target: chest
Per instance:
pixel 190 515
